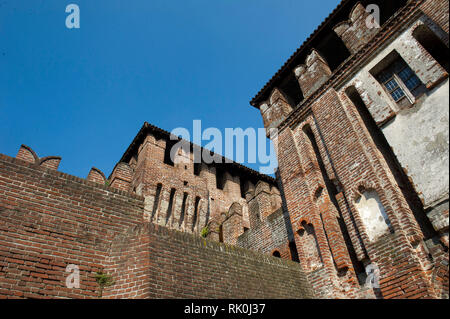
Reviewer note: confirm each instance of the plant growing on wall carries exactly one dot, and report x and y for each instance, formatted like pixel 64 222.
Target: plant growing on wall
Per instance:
pixel 103 280
pixel 205 231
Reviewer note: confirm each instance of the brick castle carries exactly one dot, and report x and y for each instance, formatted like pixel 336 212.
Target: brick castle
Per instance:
pixel 358 209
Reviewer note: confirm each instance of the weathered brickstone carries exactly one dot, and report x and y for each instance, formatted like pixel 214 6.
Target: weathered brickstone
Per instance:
pixel 49 220
pixel 365 172
pixel 362 186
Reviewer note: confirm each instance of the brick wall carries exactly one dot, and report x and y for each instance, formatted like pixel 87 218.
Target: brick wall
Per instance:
pixel 438 11
pixel 269 235
pixel 49 220
pixel 197 199
pixel 331 160
pixel 171 264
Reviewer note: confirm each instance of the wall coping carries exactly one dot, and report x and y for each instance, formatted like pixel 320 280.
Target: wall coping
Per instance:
pixel 73 178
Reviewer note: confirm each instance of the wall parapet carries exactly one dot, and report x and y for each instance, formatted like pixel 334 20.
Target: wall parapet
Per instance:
pixel 73 178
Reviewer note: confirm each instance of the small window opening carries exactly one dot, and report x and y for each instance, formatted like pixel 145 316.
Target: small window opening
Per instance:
pixel 276 254
pixel 242 184
pixel 167 159
pixel 197 169
pixel 195 218
pixel 291 90
pixel 170 207
pixel 221 233
pixel 183 209
pixel 156 203
pixel 220 179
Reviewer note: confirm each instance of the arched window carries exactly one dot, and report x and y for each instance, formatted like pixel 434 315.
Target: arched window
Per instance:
pixel 276 254
pixel 242 186
pixel 391 159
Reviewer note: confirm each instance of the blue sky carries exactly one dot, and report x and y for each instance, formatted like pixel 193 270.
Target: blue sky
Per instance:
pixel 83 94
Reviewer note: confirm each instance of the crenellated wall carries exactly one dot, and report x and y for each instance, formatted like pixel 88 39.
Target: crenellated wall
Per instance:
pixel 313 74
pixel 211 200
pixel 267 230
pixel 52 223
pixel 361 190
pixel 189 196
pixel 275 110
pixel 358 30
pixel 50 220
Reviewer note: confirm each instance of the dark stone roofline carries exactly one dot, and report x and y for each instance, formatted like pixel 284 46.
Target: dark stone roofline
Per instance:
pixel 339 14
pixel 160 133
pixel 292 62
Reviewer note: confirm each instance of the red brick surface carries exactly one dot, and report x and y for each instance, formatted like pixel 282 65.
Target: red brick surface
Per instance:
pixel 323 173
pixel 49 220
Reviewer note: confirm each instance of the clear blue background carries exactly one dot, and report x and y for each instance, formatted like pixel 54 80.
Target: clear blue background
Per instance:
pixel 83 94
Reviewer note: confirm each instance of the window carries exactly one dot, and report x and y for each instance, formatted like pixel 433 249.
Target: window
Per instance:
pixel 221 233
pixel 167 158
pixel 169 208
pixel 242 186
pixel 197 169
pixel 155 204
pixel 398 78
pixel 195 218
pixel 276 254
pixel 183 209
pixel 291 90
pixel 220 178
